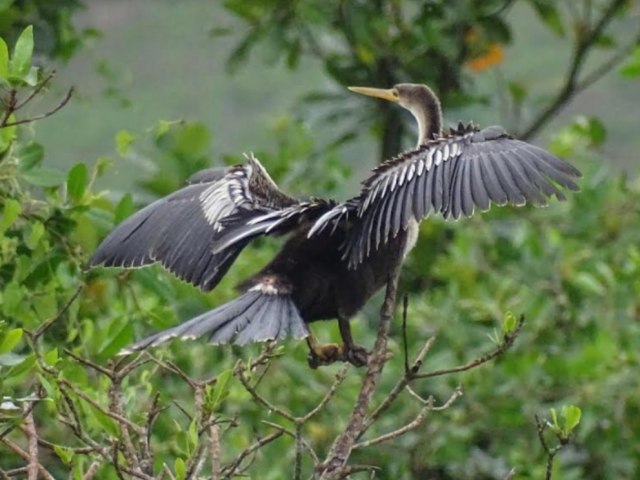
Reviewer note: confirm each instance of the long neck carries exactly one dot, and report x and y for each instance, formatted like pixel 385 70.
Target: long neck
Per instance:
pixel 428 114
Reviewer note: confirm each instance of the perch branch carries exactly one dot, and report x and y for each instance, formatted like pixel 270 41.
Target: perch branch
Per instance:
pixel 341 450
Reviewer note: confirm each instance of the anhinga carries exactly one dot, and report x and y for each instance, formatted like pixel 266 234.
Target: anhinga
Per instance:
pixel 337 254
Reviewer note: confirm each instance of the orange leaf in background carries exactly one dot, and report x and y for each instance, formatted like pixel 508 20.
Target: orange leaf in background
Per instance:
pixel 493 56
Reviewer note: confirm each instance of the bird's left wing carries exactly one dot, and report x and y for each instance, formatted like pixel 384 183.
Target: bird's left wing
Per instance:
pixel 453 175
pixel 181 231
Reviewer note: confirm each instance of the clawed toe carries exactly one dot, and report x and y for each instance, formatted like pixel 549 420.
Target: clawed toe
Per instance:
pixel 356 356
pixel 325 354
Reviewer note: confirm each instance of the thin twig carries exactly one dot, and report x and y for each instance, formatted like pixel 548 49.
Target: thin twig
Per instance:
pixel 571 86
pixel 47 324
pixel 340 376
pixel 239 372
pixel 60 105
pixel 92 470
pixel 398 387
pixel 506 344
pixel 415 423
pixel 118 418
pixel 291 434
pixel 88 363
pixel 233 466
pixel 551 452
pixel 36 90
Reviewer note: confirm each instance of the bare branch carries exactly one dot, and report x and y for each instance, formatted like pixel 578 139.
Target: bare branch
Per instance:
pixel 239 372
pixel 415 423
pixel 551 452
pixel 36 90
pixel 88 363
pixel 229 470
pixel 25 456
pixel 340 376
pixel 582 47
pixel 92 470
pixel 291 434
pixel 507 343
pixel 341 450
pixel 47 324
pixel 60 105
pixel 397 389
pixel 32 437
pixel 214 450
pixel 118 418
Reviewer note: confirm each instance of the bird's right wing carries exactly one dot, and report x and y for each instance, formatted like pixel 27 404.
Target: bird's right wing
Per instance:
pixel 452 175
pixel 181 231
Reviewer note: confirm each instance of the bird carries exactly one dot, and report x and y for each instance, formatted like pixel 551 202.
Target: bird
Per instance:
pixel 335 255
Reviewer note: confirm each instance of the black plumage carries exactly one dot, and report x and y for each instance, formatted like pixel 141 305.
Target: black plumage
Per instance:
pixel 337 255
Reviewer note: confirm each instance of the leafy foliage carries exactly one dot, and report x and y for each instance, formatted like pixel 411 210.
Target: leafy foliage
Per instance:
pixel 58 36
pixel 572 269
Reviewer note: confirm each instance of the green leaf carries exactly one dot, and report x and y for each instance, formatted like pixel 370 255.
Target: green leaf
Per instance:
pixel 554 420
pixel 124 208
pixel 7 135
pixel 509 323
pixel 632 68
pixel 10 213
pixel 118 341
pixel 518 92
pixel 31 78
pixel 10 359
pixel 192 139
pixel 29 156
pixel 106 422
pixel 65 454
pixel 22 52
pixel 571 416
pixel 220 389
pixel 549 15
pixel 597 131
pixel 10 340
pixel 180 469
pixel 124 139
pixel 77 182
pixel 4 60
pixel 192 435
pixel 45 177
pixel 34 235
pixel 51 357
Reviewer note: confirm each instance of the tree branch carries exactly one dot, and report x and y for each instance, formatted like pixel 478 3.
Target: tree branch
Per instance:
pixel 32 437
pixel 60 105
pixel 571 86
pixel 341 450
pixel 507 343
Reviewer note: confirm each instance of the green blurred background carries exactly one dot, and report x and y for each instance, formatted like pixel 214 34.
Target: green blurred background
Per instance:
pixel 166 88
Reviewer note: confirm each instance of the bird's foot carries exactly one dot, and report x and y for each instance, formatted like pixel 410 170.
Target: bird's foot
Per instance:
pixel 324 354
pixel 356 355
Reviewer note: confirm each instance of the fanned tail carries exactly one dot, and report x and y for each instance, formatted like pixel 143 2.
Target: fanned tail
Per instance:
pixel 255 316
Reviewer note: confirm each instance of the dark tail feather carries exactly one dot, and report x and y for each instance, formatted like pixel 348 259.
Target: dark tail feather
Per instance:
pixel 255 316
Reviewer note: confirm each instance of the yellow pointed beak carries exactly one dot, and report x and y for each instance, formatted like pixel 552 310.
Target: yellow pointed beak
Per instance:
pixel 386 94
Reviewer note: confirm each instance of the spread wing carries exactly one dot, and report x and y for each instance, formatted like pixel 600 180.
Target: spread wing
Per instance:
pixel 453 175
pixel 181 231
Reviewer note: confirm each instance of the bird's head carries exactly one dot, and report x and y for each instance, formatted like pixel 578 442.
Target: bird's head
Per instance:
pixel 417 98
